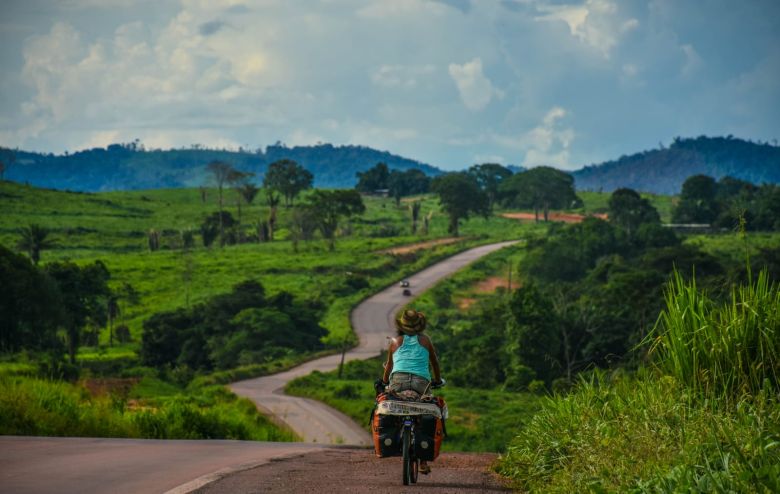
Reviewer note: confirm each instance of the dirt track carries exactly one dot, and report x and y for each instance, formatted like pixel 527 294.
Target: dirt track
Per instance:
pixel 358 470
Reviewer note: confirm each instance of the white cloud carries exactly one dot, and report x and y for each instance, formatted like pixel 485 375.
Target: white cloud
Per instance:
pixel 401 75
pixel 475 89
pixel 594 23
pixel 548 143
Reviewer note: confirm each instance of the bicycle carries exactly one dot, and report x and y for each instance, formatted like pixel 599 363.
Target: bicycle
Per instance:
pixel 411 414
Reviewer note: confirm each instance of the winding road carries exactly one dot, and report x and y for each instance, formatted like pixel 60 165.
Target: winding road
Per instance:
pixel 93 465
pixel 372 320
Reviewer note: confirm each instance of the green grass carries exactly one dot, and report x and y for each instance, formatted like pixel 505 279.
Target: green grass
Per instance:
pixel 703 417
pixel 31 406
pixel 112 227
pixel 645 434
pixel 479 419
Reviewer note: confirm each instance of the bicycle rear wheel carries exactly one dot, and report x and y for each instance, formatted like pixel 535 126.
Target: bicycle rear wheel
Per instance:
pixel 407 456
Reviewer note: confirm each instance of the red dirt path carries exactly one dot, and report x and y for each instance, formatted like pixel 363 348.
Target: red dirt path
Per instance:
pixel 553 216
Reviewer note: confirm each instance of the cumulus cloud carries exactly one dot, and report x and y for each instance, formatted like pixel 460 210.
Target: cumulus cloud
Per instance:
pixel 594 23
pixel 475 89
pixel 548 144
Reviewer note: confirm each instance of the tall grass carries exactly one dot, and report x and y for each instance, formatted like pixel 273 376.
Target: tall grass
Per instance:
pixel 704 417
pixel 727 351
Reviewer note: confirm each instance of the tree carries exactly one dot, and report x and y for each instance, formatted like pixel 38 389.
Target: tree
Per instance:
pixel 697 201
pixel 532 337
pixel 34 239
pixel 459 196
pixel 489 177
pixel 244 188
pixel 407 183
pixel 30 305
pixel 213 225
pixel 84 292
pixel 222 173
pixel 288 178
pixel 330 206
pixel 373 179
pixel 540 188
pixel 303 225
pixel 628 210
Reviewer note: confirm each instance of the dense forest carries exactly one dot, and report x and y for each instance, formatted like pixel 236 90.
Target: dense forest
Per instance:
pixel 132 167
pixel 663 171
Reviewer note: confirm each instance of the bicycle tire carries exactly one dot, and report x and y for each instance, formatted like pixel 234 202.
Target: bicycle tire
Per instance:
pixel 407 457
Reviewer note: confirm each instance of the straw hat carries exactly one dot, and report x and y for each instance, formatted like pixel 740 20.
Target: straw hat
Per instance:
pixel 411 322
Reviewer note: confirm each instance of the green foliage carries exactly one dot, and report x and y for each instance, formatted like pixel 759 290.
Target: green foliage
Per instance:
pixel 540 188
pixel 33 239
pixel 630 211
pixel 407 183
pixel 697 201
pixel 328 207
pixel 459 196
pixel 489 177
pixel 210 228
pixel 618 433
pixel 726 351
pixel 30 305
pixel 288 178
pixel 373 179
pixel 84 293
pixel 240 328
pixel 30 406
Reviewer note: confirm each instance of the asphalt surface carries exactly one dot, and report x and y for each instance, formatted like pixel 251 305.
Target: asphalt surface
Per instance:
pixel 372 320
pixel 82 465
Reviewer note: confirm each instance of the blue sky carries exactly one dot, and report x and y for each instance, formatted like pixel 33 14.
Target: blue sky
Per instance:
pixel 449 82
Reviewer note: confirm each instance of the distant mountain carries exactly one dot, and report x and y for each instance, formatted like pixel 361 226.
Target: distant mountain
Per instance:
pixel 663 171
pixel 130 166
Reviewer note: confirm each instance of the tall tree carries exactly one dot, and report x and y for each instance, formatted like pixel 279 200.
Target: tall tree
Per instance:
pixel 30 305
pixel 540 188
pixel 697 201
pixel 288 178
pixel 459 196
pixel 373 179
pixel 489 177
pixel 407 183
pixel 628 210
pixel 84 291
pixel 330 206
pixel 34 239
pixel 222 173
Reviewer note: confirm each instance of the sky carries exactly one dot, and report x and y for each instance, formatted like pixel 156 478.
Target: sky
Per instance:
pixel 447 82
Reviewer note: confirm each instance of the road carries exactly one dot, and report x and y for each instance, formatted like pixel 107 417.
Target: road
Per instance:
pixel 96 465
pixel 372 320
pixel 33 465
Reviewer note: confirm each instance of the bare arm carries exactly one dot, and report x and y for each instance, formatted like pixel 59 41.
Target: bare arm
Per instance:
pixel 389 363
pixel 432 358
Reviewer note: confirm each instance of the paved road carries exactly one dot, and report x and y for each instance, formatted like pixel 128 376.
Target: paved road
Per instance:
pixel 373 322
pixel 34 465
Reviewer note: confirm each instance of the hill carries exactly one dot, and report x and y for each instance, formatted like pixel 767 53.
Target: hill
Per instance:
pixel 131 167
pixel 663 171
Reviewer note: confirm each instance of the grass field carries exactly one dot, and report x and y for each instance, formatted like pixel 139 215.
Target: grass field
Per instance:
pixel 112 227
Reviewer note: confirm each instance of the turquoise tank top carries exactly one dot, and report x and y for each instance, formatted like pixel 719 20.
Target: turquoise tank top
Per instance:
pixel 411 357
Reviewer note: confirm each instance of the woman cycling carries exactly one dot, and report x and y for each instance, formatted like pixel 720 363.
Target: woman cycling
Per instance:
pixel 410 358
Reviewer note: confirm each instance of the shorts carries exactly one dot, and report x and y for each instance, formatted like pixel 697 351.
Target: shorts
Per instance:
pixel 401 381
